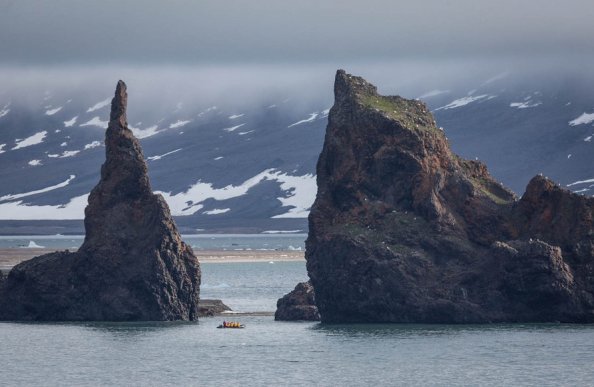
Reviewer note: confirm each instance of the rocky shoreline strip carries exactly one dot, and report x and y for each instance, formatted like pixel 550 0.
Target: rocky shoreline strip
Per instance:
pixel 11 257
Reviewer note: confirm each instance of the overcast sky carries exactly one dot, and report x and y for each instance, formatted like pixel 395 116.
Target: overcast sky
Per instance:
pixel 274 31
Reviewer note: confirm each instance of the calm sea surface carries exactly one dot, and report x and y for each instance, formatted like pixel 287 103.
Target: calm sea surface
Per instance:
pixel 279 353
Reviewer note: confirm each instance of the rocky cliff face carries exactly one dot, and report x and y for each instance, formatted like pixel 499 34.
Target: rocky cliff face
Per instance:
pixel 403 230
pixel 132 265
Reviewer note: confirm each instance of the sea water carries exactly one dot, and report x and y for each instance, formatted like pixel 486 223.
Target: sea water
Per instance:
pixel 228 242
pixel 269 353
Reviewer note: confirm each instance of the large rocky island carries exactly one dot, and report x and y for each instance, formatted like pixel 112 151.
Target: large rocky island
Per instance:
pixel 403 230
pixel 132 265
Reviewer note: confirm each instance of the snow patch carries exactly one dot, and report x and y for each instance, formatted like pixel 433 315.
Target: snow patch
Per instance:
pixel 463 101
pixel 35 139
pixel 525 105
pixel 231 129
pixel 43 190
pixel 34 163
pixel 99 105
pixel 74 209
pixel 217 211
pixel 51 112
pixel 63 155
pixel 312 116
pixel 496 78
pixel 585 118
pixel 96 121
pixel 159 157
pixel 433 93
pixel 179 124
pixel 5 110
pixel 581 182
pixel 70 122
pixel 301 192
pixel 144 133
pixel 92 145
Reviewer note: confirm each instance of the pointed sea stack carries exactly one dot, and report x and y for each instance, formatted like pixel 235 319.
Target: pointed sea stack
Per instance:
pixel 403 230
pixel 132 266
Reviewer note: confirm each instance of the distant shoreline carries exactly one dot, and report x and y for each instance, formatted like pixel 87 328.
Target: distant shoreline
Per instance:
pixel 11 257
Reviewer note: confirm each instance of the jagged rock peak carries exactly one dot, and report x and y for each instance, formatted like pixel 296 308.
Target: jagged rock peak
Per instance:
pixel 349 86
pixel 132 265
pixel 119 104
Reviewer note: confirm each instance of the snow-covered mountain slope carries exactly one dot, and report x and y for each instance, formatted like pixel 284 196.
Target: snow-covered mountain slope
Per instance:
pixel 253 168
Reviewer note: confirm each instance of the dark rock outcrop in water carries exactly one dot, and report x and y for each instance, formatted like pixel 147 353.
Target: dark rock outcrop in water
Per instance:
pixel 299 304
pixel 403 230
pixel 132 265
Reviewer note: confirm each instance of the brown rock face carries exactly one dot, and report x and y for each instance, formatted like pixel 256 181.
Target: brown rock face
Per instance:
pixel 132 265
pixel 300 304
pixel 403 230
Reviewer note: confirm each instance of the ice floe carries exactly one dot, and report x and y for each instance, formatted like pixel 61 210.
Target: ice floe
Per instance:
pixel 244 133
pixel 35 139
pixel 312 117
pixel 96 121
pixel 99 105
pixel 1 148
pixel 217 211
pixel 34 163
pixel 585 118
pixel 179 124
pixel 36 192
pixel 216 158
pixel 463 101
pixel 33 245
pixel 234 116
pixel 64 144
pixel 281 232
pixel 231 129
pixel 159 157
pixel 51 112
pixel 587 139
pixel 92 145
pixel 70 122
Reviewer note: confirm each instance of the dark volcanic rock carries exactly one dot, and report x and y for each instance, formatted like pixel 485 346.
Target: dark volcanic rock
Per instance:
pixel 132 265
pixel 403 230
pixel 299 304
pixel 209 308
